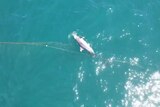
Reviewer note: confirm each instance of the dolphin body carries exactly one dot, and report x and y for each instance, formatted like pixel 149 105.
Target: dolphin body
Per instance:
pixel 83 44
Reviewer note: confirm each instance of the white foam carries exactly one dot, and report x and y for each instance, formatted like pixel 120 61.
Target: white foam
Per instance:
pixel 75 89
pixel 100 66
pixel 109 11
pixel 157 50
pixel 81 72
pixel 138 14
pixel 134 61
pixel 81 75
pixel 109 38
pixel 111 59
pixel 98 35
pixel 104 85
pixel 125 34
pixel 82 105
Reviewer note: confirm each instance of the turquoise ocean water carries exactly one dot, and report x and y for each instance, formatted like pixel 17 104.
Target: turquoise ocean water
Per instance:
pixel 124 34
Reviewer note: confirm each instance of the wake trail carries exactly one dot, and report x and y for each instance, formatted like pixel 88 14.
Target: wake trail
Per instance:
pixel 115 61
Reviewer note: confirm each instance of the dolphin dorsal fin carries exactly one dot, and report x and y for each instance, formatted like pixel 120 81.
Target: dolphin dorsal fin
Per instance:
pixel 81 49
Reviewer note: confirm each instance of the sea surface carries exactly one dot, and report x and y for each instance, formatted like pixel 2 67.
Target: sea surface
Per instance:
pixel 41 65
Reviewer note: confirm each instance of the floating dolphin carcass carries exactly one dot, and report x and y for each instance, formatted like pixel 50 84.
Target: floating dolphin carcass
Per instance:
pixel 83 44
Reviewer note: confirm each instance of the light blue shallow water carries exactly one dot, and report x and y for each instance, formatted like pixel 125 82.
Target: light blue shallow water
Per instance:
pixel 124 34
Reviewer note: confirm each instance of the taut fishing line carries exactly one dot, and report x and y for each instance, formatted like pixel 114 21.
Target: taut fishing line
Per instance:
pixel 53 45
pixel 65 48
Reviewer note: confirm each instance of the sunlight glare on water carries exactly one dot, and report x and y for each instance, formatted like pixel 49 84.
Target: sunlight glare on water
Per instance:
pixel 144 93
